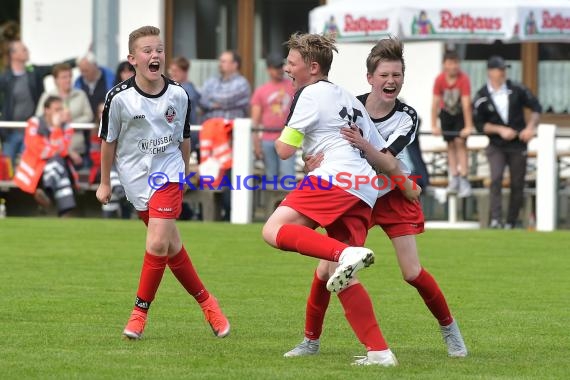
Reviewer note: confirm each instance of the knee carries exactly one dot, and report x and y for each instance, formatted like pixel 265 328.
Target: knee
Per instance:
pixel 410 274
pixel 157 246
pixel 269 233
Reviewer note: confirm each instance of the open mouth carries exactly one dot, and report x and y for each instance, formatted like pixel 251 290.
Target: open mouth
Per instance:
pixel 389 90
pixel 154 67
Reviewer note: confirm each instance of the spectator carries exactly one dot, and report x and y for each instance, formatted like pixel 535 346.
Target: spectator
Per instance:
pixel 124 71
pixel 95 80
pixel 499 113
pixel 270 105
pixel 76 108
pixel 45 169
pixel 452 102
pixel 178 71
pixel 21 86
pixel 226 95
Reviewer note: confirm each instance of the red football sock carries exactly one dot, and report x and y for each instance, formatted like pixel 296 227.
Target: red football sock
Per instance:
pixel 317 305
pixel 184 271
pixel 308 242
pixel 151 274
pixel 433 297
pixel 360 314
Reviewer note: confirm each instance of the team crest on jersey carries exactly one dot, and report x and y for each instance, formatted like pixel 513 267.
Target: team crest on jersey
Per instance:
pixel 170 114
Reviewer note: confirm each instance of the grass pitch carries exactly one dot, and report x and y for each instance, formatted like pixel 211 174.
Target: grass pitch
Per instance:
pixel 67 288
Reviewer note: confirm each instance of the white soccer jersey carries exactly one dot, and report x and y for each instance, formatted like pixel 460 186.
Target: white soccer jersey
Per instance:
pixel 149 130
pixel 319 111
pixel 399 129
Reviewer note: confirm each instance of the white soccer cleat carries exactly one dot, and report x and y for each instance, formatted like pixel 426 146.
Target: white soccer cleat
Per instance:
pixel 382 358
pixel 452 337
pixel 351 260
pixel 305 348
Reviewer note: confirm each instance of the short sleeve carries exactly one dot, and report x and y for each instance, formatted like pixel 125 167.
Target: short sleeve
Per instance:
pixel 110 126
pixel 304 113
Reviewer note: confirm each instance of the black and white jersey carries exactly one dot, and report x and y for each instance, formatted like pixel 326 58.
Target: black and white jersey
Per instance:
pixel 318 112
pixel 149 130
pixel 399 129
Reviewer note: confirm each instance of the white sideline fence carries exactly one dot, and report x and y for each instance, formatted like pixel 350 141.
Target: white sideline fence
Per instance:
pixel 242 200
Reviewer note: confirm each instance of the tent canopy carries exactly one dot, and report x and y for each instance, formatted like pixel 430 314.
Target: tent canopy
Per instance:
pixel 468 20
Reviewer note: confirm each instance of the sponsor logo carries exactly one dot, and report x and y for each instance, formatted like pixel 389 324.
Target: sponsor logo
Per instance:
pixel 137 117
pixel 155 146
pixel 364 24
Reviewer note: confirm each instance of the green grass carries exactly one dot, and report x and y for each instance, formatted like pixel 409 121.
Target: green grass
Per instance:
pixel 64 302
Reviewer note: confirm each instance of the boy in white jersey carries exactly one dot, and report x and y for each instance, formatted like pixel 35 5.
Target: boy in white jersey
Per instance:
pixel 319 111
pixel 400 219
pixel 145 130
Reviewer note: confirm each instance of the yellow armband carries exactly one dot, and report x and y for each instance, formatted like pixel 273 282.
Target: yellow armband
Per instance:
pixel 292 137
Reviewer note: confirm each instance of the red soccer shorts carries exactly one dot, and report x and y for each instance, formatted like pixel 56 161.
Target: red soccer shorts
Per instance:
pixel 345 216
pixel 165 203
pixel 398 216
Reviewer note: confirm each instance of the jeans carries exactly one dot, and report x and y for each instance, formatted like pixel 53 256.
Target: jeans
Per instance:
pixel 13 144
pixel 274 166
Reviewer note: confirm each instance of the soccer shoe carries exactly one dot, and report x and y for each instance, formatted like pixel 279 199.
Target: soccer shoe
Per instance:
pixel 305 348
pixel 215 317
pixel 464 190
pixel 382 358
pixel 454 341
pixel 135 327
pixel 453 186
pixel 351 260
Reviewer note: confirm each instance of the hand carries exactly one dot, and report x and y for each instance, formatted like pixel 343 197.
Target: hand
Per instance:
pixel 411 190
pixel 75 158
pixel 66 116
pixel 258 152
pixel 507 133
pixel 526 134
pixel 103 193
pixel 312 162
pixel 465 132
pixel 436 131
pixel 56 119
pixel 353 136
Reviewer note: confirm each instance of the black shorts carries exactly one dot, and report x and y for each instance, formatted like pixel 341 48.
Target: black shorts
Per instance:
pixel 451 125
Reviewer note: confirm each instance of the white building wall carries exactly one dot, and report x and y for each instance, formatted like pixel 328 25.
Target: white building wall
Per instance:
pixel 56 30
pixel 134 14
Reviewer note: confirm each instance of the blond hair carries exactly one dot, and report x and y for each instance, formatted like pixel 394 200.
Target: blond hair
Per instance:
pixel 314 48
pixel 143 31
pixel 387 49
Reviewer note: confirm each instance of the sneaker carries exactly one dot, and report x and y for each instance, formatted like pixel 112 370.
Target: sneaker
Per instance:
pixel 135 327
pixel 305 348
pixel 351 260
pixel 454 341
pixel 215 317
pixel 453 186
pixel 495 224
pixel 382 358
pixel 464 188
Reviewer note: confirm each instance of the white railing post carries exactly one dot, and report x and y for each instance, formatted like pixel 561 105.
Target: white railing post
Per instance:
pixel 242 199
pixel 546 178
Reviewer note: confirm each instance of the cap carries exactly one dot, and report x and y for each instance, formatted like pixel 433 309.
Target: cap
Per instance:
pixel 497 62
pixel 275 61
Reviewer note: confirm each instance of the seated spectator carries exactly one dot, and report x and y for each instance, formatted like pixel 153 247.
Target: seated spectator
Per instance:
pixel 95 81
pixel 124 71
pixel 46 167
pixel 76 108
pixel 21 85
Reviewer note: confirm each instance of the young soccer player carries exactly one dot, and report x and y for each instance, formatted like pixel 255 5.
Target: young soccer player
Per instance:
pixel 318 113
pixel 400 219
pixel 145 130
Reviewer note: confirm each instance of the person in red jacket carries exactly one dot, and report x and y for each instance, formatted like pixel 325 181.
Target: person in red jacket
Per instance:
pixel 45 169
